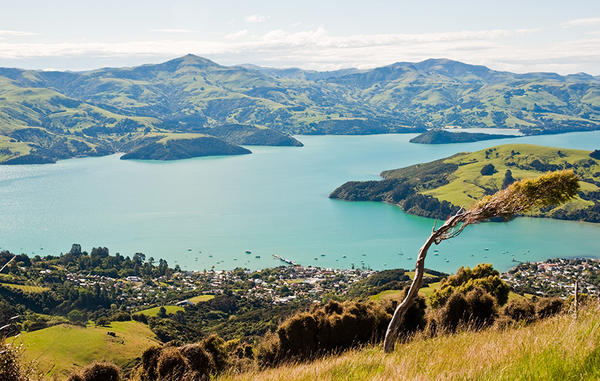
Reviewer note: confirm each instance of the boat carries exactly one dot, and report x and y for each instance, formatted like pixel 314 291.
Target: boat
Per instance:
pixel 258 256
pixel 248 252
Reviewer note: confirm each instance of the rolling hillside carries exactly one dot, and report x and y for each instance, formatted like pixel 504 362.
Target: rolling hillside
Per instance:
pixel 558 348
pixel 59 350
pixel 46 116
pixel 439 188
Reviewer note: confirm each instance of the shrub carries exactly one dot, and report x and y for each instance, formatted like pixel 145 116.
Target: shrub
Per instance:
pixel 120 316
pixel 546 307
pixel 488 170
pixel 170 365
pixel 149 363
pixel 482 308
pixel 333 327
pixel 198 359
pixel 10 368
pixel 595 154
pixel 454 312
pixel 476 309
pixel 520 309
pixel 466 279
pixel 97 371
pixel 188 362
pixel 77 317
pixel 508 179
pixel 267 350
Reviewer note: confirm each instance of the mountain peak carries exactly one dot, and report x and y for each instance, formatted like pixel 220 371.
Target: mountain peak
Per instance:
pixel 189 60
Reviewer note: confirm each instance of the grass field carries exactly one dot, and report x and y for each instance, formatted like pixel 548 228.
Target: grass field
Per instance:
pixel 388 294
pixel 150 312
pixel 60 349
pixel 171 309
pixel 201 298
pixel 559 348
pixel 468 184
pixel 26 288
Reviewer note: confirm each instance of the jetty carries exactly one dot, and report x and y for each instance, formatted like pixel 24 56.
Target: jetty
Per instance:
pixel 282 259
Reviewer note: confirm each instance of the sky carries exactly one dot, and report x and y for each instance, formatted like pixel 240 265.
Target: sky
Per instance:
pixel 519 36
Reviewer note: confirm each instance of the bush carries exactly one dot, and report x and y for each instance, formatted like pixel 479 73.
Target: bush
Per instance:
pixel 546 307
pixel 97 371
pixel 454 312
pixel 77 317
pixel 10 367
pixel 476 310
pixel 149 363
pixel 120 316
pixel 520 309
pixel 197 361
pixel 267 350
pixel 333 327
pixel 488 170
pixel 466 279
pixel 170 365
pixel 482 308
pixel 595 154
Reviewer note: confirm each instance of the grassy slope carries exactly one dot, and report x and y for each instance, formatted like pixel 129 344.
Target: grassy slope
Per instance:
pixel 170 309
pixel 26 288
pixel 150 312
pixel 60 349
pixel 467 184
pixel 558 348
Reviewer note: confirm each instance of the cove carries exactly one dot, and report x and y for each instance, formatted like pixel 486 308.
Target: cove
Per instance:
pixel 207 212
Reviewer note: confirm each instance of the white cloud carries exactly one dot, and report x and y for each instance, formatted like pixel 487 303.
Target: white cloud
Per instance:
pixel 16 33
pixel 255 19
pixel 318 49
pixel 175 30
pixel 236 35
pixel 581 22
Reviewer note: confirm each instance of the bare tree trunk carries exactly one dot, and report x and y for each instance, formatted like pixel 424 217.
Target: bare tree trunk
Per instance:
pixel 436 237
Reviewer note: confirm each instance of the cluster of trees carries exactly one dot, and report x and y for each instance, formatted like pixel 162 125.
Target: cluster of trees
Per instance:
pixel 330 328
pixel 100 262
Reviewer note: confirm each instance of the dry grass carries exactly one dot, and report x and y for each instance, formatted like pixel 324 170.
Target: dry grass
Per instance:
pixel 557 348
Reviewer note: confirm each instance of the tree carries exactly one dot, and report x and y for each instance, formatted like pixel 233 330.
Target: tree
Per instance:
pixel 550 189
pixel 488 170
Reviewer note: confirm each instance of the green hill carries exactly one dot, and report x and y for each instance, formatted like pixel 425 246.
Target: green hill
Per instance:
pixel 60 349
pixel 558 348
pixel 439 188
pixel 99 112
pixel 435 136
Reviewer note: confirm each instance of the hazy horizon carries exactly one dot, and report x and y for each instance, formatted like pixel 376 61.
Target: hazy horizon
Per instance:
pixel 514 36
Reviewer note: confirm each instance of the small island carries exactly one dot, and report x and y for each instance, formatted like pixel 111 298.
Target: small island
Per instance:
pixel 184 147
pixel 440 188
pixel 437 136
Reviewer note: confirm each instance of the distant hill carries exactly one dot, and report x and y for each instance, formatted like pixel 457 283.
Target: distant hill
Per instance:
pixel 439 188
pixel 97 112
pixel 444 137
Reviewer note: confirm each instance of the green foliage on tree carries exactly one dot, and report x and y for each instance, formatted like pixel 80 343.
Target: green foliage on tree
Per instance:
pixel 482 276
pixel 550 189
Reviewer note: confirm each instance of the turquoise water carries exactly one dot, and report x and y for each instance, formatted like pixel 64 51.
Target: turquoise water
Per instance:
pixel 271 202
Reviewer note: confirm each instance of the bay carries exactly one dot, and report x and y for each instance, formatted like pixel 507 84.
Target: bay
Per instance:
pixel 206 213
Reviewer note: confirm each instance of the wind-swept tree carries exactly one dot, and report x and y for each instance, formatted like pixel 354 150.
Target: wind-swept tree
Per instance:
pixel 550 189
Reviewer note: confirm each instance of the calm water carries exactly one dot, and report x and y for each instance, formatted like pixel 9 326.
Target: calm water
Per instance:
pixel 273 201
